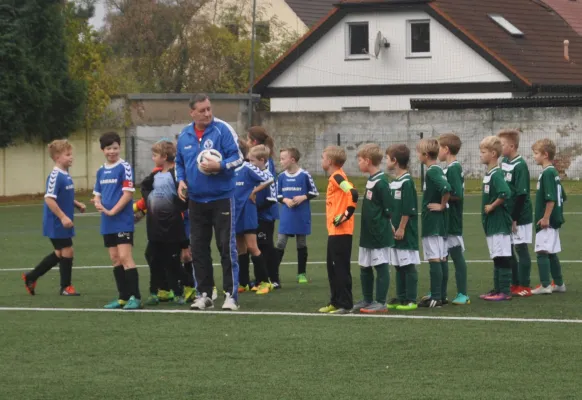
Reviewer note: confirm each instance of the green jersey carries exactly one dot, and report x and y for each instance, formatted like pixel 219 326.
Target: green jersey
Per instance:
pixel 517 178
pixel 434 223
pixel 376 232
pixel 550 188
pixel 456 178
pixel 498 221
pixel 405 203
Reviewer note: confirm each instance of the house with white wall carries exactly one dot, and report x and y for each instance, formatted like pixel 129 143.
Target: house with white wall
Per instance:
pixel 382 54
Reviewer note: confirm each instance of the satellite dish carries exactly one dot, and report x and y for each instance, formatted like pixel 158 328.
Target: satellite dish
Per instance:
pixel 379 43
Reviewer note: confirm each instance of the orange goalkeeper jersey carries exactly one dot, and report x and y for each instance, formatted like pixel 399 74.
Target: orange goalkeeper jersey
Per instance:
pixel 341 199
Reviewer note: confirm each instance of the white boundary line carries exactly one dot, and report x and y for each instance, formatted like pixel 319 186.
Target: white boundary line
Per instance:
pixel 298 314
pixel 283 263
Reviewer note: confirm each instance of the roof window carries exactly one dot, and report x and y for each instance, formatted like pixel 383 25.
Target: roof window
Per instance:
pixel 505 24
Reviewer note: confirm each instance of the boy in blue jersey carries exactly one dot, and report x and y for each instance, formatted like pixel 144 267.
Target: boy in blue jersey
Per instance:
pixel 268 213
pixel 295 188
pixel 251 177
pixel 57 221
pixel 113 199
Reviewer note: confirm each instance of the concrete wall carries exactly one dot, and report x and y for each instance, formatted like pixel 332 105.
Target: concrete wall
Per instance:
pixel 311 132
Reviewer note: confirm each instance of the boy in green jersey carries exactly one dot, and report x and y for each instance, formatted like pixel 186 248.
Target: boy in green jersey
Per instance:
pixel 376 237
pixel 519 205
pixel 449 146
pixel 496 219
pixel 404 255
pixel 436 193
pixel 549 214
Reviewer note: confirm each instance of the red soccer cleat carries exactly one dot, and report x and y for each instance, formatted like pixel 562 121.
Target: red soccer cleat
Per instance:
pixel 69 291
pixel 515 289
pixel 29 285
pixel 524 292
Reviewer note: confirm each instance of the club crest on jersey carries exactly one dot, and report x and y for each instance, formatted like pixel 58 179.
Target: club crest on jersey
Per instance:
pixel 208 144
pixel 369 194
pixel 398 195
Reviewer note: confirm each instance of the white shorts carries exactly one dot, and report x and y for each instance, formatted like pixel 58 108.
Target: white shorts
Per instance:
pixel 455 241
pixel 401 258
pixel 434 247
pixel 548 240
pixel 373 257
pixel 523 235
pixel 499 246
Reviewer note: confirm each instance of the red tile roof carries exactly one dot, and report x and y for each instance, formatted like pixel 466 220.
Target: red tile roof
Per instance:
pixel 570 10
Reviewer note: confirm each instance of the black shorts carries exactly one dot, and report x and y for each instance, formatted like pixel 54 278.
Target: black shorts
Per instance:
pixel 59 244
pixel 115 239
pixel 265 232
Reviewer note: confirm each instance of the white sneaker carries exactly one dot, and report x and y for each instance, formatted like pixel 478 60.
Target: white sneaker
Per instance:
pixel 230 303
pixel 214 294
pixel 542 290
pixel 559 289
pixel 202 303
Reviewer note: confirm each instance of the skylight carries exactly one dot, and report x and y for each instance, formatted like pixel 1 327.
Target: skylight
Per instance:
pixel 505 24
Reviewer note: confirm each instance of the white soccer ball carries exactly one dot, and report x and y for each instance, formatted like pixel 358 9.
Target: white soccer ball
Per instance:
pixel 208 155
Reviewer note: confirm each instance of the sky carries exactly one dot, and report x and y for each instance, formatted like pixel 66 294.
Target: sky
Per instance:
pixel 98 19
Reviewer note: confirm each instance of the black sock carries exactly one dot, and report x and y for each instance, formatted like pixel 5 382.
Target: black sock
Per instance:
pixel 189 268
pixel 261 274
pixel 66 269
pixel 243 274
pixel 120 281
pixel 132 279
pixel 301 260
pixel 43 267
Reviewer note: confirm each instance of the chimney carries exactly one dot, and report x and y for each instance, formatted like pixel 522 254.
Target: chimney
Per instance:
pixel 566 52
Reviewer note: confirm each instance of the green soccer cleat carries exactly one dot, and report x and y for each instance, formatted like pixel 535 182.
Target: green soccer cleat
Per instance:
pixel 301 278
pixel 189 293
pixel 152 300
pixel 115 304
pixel 327 309
pixel 393 304
pixel 407 307
pixel 133 304
pixel 461 300
pixel 164 295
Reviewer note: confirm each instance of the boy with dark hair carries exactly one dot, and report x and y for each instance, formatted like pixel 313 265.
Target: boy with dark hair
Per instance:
pixel 57 221
pixel 113 195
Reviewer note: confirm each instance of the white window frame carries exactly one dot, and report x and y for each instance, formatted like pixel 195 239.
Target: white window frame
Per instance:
pixel 506 25
pixel 348 41
pixel 409 53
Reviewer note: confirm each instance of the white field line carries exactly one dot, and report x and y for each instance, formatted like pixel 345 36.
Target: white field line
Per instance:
pixel 298 314
pixel 283 263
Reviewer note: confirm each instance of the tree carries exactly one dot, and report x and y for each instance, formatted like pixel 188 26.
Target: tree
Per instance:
pixel 38 97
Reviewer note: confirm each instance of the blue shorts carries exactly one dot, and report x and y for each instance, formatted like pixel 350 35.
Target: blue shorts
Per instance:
pixel 247 221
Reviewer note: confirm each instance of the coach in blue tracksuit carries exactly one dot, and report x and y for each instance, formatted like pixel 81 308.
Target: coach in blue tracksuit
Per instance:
pixel 211 199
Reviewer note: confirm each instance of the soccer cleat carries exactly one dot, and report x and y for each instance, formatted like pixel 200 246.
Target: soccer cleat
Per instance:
pixel 189 293
pixel 202 303
pixel 301 278
pixel 133 304
pixel 264 288
pixel 255 287
pixel 327 309
pixel 445 301
pixel 407 307
pixel 179 300
pixel 340 311
pixel 230 303
pixel 515 289
pixel 542 290
pixel 427 296
pixel 29 285
pixel 277 286
pixel 214 294
pixel 489 293
pixel 359 305
pixel 525 292
pixel 115 304
pixel 242 289
pixel 430 303
pixel 461 299
pixel 152 300
pixel 498 297
pixel 164 295
pixel 375 308
pixel 69 291
pixel 559 289
pixel 393 304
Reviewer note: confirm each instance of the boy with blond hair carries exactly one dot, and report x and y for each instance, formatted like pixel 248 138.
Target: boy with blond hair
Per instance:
pixel 57 220
pixel 436 194
pixel 519 205
pixel 549 214
pixel 449 146
pixel 496 219
pixel 341 202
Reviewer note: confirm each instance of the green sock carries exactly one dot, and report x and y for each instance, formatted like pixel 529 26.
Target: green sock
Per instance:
pixel 411 282
pixel 524 264
pixel 544 268
pixel 382 282
pixel 445 284
pixel 514 268
pixel 556 270
pixel 400 283
pixel 505 278
pixel 460 268
pixel 367 278
pixel 436 279
pixel 496 278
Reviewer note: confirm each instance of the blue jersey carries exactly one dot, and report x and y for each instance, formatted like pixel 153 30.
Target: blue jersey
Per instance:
pixel 266 213
pixel 59 186
pixel 247 178
pixel 296 220
pixel 112 181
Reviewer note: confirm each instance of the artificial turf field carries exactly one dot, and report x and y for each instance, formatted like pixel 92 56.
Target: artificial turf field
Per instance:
pixel 276 349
